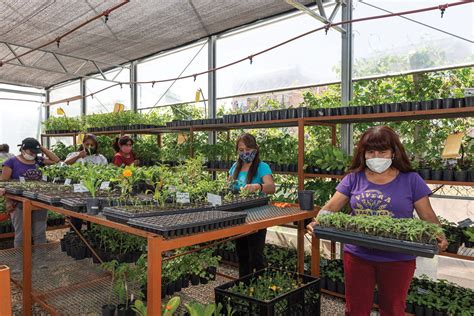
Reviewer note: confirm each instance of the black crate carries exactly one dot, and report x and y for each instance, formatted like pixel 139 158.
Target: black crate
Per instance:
pixel 190 223
pixel 115 214
pixel 376 242
pixel 240 205
pixel 303 301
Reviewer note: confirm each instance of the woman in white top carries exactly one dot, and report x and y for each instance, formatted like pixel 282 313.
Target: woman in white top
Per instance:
pixel 87 153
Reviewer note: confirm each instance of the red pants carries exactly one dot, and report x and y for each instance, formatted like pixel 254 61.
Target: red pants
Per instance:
pixel 392 278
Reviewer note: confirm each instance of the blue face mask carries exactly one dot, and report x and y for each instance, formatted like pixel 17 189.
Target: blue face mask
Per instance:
pixel 248 156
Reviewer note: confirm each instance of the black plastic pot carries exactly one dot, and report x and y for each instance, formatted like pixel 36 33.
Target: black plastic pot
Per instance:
pixel 123 311
pixel 93 206
pixel 323 282
pixel 437 104
pixel 453 247
pixel 469 101
pixel 428 312
pixel 331 285
pixel 283 114
pixel 268 116
pixel 378 108
pixel 360 109
pixel 458 103
pixel 415 106
pixel 253 117
pixel 306 200
pixel 185 282
pixel 369 109
pixel 345 110
pixel 78 252
pixel 108 310
pixel 409 308
pixel 437 175
pixel 212 271
pixel 292 114
pixel 419 310
pixel 275 114
pixel 470 175
pixel 448 103
pixel 426 105
pixel 302 112
pixel 203 280
pixel 239 118
pixel 285 168
pixel 170 288
pixel 178 284
pixel 194 280
pixel 386 108
pixel 460 176
pixel 425 173
pixel 438 313
pixel 293 167
pixel 260 116
pixel 395 107
pixel 448 175
pixel 340 287
pixel 405 106
pixel 469 244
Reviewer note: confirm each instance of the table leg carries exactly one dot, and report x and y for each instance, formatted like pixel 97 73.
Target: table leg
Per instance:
pixel 315 255
pixel 154 277
pixel 300 246
pixel 27 257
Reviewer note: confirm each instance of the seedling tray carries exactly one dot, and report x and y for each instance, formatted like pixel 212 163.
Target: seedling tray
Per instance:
pixel 376 242
pixel 241 205
pixel 190 223
pixel 32 195
pixel 304 301
pixel 74 204
pixel 14 190
pixel 116 214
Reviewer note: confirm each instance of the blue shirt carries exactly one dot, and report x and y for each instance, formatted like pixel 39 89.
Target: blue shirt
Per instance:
pixel 241 181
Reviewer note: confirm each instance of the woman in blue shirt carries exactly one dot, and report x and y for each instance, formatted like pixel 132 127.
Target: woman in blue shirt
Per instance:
pixel 249 173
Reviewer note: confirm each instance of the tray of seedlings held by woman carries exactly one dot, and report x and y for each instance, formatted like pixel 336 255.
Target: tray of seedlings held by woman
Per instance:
pixel 403 235
pixel 177 225
pixel 125 210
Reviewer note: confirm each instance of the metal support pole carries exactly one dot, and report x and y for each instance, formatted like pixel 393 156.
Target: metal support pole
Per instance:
pixel 47 114
pixel 346 74
pixel 211 84
pixel 133 86
pixel 83 94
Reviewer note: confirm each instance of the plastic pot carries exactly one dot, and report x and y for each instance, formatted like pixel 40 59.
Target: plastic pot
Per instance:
pixel 395 107
pixel 203 280
pixel 323 282
pixel 469 244
pixel 185 282
pixel 360 109
pixel 460 176
pixel 428 311
pixel 268 116
pixel 283 114
pixel 344 110
pixel 426 105
pixel 453 247
pixel 194 280
pixel 458 103
pixel 415 106
pixel 386 108
pixel 437 104
pixel 306 200
pixel 212 271
pixel 448 175
pixel 341 289
pixel 178 284
pixel 437 175
pixel 93 206
pixel 469 101
pixel 405 106
pixel 425 173
pixel 378 108
pixel 419 310
pixel 123 311
pixel 438 313
pixel 470 175
pixel 448 103
pixel 170 288
pixel 275 115
pixel 302 112
pixel 409 308
pixel 108 310
pixel 331 285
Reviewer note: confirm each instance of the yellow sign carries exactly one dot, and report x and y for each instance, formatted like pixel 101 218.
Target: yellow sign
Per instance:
pixel 118 107
pixel 181 138
pixel 198 96
pixel 452 145
pixel 60 111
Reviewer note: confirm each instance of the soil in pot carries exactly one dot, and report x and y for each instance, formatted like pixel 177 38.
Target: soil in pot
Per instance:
pixel 108 310
pixel 306 200
pixel 460 176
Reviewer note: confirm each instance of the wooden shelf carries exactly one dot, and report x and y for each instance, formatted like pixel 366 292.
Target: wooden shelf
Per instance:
pixel 456 256
pixel 12 234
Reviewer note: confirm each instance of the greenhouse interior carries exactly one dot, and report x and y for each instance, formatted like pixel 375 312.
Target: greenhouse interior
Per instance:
pixel 265 157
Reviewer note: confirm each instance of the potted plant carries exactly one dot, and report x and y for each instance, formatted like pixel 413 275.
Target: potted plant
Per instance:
pixel 448 173
pixel 91 182
pixel 436 169
pixel 469 237
pixel 424 169
pixel 109 308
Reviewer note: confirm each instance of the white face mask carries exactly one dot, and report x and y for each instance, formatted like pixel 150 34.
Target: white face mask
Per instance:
pixel 28 156
pixel 378 165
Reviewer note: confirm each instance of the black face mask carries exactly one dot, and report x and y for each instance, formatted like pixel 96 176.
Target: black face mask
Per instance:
pixel 91 151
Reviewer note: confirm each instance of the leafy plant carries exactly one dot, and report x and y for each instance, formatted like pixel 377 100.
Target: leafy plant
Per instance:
pixel 91 180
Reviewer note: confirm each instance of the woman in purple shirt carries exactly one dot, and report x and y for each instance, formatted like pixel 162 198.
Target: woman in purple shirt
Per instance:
pixel 26 165
pixel 381 180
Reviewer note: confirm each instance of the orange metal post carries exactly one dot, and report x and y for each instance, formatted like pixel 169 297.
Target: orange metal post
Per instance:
pixel 5 293
pixel 300 246
pixel 154 277
pixel 27 209
pixel 300 154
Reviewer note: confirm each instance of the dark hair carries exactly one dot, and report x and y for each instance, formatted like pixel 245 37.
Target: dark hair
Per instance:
pixel 120 142
pixel 380 138
pixel 249 141
pixel 89 137
pixel 4 148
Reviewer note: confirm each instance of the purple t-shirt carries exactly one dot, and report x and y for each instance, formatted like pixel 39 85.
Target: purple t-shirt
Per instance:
pixel 20 169
pixel 397 197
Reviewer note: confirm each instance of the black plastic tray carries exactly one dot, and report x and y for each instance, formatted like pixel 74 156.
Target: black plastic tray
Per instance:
pixel 243 205
pixel 190 223
pixel 14 190
pixel 74 204
pixel 303 301
pixel 376 242
pixel 32 195
pixel 118 215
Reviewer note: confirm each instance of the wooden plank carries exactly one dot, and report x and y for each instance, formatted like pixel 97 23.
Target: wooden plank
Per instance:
pixel 5 293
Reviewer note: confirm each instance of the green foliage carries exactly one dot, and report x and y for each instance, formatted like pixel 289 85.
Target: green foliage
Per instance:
pixel 63 123
pixel 469 233
pixel 140 308
pixel 62 150
pixel 328 158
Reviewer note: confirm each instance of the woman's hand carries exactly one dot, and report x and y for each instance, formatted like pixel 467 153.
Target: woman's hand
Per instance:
pixel 252 187
pixel 309 228
pixel 442 243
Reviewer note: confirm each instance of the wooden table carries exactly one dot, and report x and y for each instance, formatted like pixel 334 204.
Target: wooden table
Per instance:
pixel 157 245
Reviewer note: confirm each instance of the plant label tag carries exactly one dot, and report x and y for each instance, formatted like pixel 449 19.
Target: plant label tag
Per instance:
pixel 172 189
pixel 104 185
pixel 182 197
pixel 22 180
pixel 67 182
pixel 214 199
pixel 79 188
pixel 465 223
pixel 44 178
